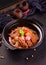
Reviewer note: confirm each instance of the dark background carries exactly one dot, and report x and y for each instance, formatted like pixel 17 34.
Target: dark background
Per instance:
pixel 5 3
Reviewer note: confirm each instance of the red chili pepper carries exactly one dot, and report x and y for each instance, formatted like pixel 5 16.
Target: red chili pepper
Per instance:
pixel 26 12
pixel 25 30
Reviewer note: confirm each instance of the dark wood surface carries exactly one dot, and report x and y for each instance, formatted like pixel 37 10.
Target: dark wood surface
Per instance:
pixel 6 3
pixel 19 57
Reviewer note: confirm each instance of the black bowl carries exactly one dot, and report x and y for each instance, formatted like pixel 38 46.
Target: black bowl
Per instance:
pixel 30 23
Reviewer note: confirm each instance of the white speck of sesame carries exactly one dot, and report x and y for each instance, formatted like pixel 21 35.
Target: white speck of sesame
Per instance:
pixel 32 56
pixel 34 49
pixel 27 58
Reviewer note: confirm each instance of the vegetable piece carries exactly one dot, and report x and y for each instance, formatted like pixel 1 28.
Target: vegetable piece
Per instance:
pixel 27 34
pixel 28 37
pixel 25 30
pixel 21 32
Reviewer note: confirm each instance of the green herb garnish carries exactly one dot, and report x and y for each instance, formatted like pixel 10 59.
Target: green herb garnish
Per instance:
pixel 21 32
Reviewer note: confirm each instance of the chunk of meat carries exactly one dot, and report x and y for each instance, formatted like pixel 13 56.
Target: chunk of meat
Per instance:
pixel 23 43
pixel 29 42
pixel 35 38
